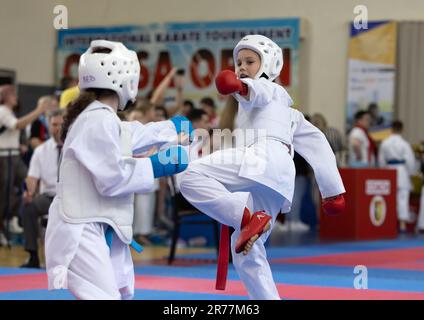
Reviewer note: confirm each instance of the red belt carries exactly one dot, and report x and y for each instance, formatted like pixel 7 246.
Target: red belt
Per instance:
pixel 223 258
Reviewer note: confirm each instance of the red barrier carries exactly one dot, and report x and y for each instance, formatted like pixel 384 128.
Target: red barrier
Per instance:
pixel 370 207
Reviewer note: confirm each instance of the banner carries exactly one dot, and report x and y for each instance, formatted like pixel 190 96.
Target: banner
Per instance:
pixel 201 49
pixel 371 75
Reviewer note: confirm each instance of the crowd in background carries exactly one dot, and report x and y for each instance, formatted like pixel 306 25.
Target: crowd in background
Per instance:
pixel 30 156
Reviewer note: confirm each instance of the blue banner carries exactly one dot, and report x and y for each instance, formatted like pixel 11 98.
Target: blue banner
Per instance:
pixel 201 49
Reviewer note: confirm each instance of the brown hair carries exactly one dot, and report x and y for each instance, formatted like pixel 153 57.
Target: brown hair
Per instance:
pixel 55 113
pixel 74 108
pixel 397 126
pixel 5 91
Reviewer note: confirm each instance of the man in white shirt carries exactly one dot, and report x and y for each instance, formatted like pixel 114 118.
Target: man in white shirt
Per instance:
pixel 12 168
pixel 397 153
pixel 200 147
pixel 361 148
pixel 42 175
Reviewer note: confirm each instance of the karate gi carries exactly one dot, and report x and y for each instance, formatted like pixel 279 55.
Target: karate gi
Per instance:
pixel 396 153
pixel 97 161
pixel 259 173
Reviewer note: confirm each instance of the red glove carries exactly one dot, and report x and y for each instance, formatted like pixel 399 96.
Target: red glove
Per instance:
pixel 334 205
pixel 227 83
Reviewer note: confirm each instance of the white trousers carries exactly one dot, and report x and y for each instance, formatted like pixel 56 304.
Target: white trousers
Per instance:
pixel 300 187
pixel 144 213
pixel 97 272
pixel 218 191
pixel 403 205
pixel 420 224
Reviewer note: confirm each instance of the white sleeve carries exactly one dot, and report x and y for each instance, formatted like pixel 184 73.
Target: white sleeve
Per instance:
pixel 35 165
pixel 151 134
pixel 261 93
pixel 312 145
pixel 98 149
pixel 358 134
pixel 7 119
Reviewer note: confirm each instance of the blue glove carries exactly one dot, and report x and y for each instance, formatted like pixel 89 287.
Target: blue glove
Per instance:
pixel 169 162
pixel 182 124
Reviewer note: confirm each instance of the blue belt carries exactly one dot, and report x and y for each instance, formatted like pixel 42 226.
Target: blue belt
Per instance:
pixel 395 161
pixel 109 235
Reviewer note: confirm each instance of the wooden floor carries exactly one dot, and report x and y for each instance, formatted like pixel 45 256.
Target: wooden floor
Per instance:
pixel 16 255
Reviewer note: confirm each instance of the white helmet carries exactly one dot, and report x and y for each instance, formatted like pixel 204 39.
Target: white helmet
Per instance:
pixel 270 53
pixel 118 70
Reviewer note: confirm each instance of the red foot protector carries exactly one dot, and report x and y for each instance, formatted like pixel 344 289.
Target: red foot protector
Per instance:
pixel 256 226
pixel 246 218
pixel 224 252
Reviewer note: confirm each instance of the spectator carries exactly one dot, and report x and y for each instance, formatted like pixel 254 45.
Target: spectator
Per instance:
pixel 199 147
pixel 333 135
pixel 200 120
pixel 362 150
pixel 208 104
pixel 376 119
pixel 68 82
pixel 39 128
pixel 160 113
pixel 144 204
pixel 157 96
pixel 397 153
pixel 187 107
pixel 67 96
pixel 12 168
pixel 42 176
pixel 143 112
pixel 300 188
pixel 420 224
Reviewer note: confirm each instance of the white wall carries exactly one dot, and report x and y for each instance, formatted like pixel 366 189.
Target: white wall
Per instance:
pixel 28 39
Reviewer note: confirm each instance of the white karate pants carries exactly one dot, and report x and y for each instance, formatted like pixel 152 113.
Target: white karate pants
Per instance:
pixel 218 191
pixel 97 272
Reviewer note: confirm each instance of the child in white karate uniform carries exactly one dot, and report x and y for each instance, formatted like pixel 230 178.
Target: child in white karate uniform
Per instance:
pixel 247 186
pixel 90 219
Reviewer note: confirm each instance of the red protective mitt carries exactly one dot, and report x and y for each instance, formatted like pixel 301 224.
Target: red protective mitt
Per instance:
pixel 334 205
pixel 227 83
